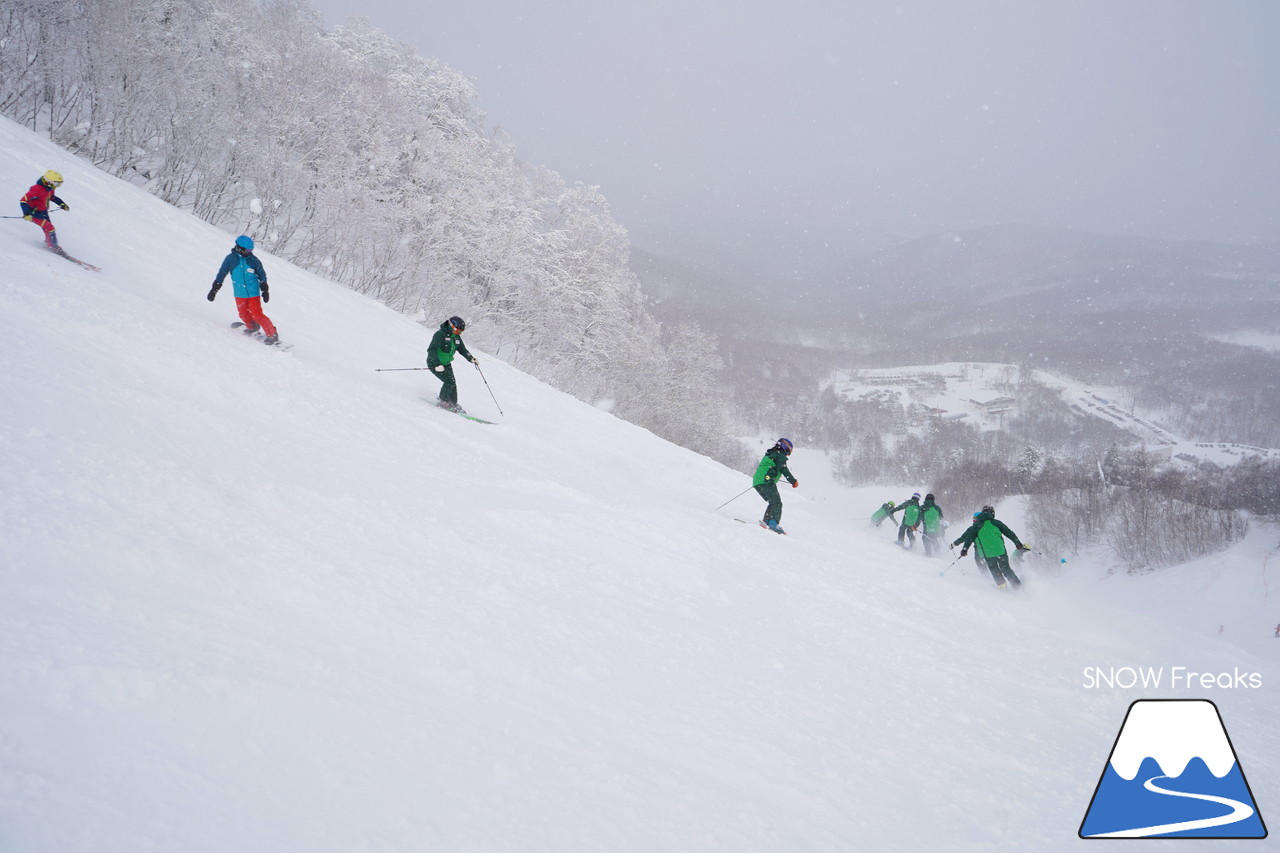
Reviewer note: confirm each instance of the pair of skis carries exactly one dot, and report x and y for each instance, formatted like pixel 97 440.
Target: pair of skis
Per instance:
pixel 62 253
pixel 460 413
pixel 777 530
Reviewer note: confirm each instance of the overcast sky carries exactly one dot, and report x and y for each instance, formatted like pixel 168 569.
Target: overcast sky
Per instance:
pixel 762 126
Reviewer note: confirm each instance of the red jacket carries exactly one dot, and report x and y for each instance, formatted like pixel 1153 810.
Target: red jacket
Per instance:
pixel 38 198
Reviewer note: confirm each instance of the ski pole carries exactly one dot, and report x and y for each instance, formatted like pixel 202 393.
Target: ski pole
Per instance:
pixel 948 568
pixel 385 369
pixel 486 384
pixel 734 498
pixel 23 217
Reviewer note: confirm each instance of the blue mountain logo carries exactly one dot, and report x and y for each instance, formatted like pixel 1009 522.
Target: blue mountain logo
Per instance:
pixel 1173 773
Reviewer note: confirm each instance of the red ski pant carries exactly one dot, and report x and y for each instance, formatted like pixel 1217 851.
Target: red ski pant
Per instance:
pixel 250 310
pixel 41 218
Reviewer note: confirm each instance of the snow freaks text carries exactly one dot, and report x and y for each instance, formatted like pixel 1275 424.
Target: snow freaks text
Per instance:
pixel 1174 677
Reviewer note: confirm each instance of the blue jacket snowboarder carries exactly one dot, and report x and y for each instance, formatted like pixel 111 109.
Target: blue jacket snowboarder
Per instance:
pixel 249 282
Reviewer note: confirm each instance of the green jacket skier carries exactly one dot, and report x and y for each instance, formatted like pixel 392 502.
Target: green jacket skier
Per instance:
pixel 885 510
pixel 772 468
pixel 931 520
pixel 910 509
pixel 444 344
pixel 990 534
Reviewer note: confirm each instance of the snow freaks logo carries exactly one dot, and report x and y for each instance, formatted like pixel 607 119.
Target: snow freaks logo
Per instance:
pixel 1172 773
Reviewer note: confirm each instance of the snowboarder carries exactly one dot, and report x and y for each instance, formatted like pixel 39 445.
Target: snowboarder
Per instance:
pixel 882 513
pixel 931 518
pixel 990 534
pixel 910 509
pixel 447 341
pixel 249 280
pixel 772 468
pixel 35 205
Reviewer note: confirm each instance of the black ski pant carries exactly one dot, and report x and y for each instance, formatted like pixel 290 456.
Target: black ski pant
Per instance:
pixel 449 392
pixel 931 546
pixel 769 491
pixel 908 531
pixel 1000 571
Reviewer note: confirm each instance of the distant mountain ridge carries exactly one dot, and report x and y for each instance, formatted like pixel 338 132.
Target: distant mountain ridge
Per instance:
pixel 1015 274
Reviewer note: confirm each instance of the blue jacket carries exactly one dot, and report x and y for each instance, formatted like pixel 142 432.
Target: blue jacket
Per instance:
pixel 246 274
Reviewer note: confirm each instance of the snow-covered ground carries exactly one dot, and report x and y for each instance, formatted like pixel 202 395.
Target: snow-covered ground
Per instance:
pixel 951 388
pixel 266 601
pixel 954 390
pixel 1257 340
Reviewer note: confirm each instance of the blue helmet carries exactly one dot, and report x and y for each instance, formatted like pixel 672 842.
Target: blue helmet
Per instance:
pixel 245 242
pixel 785 444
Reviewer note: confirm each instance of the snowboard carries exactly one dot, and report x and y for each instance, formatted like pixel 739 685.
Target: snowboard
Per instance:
pixel 259 336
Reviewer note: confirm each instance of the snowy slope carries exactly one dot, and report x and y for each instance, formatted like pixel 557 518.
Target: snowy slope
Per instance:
pixel 265 601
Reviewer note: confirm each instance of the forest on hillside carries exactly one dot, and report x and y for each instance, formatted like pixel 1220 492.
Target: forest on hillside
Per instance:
pixel 347 153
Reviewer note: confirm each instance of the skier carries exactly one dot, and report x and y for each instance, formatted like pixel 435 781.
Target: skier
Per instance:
pixel 771 468
pixel 931 517
pixel 910 509
pixel 990 534
pixel 979 558
pixel 882 513
pixel 35 205
pixel 446 341
pixel 249 280
pixel 1278 630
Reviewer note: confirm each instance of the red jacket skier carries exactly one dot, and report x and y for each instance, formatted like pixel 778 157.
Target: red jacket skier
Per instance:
pixel 35 205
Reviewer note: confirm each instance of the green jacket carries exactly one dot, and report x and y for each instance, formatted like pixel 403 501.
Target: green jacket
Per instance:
pixel 932 514
pixel 990 534
pixel 910 509
pixel 883 512
pixel 772 467
pixel 444 344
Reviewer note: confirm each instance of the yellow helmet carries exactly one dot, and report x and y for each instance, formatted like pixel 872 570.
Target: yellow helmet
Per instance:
pixel 52 177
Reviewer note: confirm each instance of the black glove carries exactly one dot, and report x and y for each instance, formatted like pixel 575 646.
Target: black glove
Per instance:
pixel 266 294
pixel 964 552
pixel 64 206
pixel 1024 547
pixel 214 291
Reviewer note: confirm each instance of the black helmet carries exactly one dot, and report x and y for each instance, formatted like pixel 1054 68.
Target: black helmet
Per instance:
pixel 929 496
pixel 989 508
pixel 458 323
